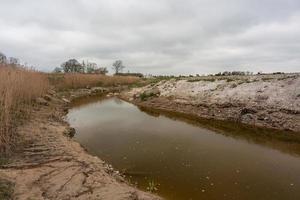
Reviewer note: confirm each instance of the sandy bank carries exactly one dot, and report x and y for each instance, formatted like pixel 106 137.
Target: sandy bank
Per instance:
pixel 48 164
pixel 271 101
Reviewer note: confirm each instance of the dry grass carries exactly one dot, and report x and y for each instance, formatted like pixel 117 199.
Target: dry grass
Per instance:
pixel 75 81
pixel 18 89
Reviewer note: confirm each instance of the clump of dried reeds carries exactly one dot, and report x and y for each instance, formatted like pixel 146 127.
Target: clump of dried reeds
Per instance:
pixel 77 80
pixel 19 87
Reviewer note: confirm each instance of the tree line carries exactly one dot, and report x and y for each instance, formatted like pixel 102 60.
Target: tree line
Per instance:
pixel 8 60
pixel 234 73
pixel 73 66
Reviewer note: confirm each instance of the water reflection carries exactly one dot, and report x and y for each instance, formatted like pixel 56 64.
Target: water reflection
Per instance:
pixel 188 157
pixel 285 141
pixel 118 101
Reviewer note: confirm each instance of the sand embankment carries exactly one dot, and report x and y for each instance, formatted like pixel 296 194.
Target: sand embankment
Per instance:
pixel 271 101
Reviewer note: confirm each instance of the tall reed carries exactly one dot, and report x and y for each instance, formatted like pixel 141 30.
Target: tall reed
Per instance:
pixel 18 88
pixel 76 80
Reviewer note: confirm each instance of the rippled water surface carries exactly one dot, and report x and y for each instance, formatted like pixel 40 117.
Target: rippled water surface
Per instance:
pixel 187 159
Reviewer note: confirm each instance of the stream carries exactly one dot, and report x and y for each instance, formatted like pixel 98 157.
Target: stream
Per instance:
pixel 181 158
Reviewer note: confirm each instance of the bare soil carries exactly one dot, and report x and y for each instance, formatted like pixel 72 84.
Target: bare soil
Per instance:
pixel 48 164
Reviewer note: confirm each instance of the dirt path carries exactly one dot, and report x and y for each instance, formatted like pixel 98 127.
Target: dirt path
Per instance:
pixel 50 165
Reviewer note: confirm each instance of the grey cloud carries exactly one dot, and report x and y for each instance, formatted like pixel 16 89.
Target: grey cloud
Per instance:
pixel 157 36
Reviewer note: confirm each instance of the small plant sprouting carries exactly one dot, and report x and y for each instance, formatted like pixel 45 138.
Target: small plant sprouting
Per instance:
pixel 152 186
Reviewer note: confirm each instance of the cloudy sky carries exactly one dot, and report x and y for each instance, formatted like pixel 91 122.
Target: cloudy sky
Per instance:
pixel 155 36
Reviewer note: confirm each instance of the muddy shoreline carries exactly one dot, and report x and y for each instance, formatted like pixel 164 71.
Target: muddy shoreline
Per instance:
pixel 48 164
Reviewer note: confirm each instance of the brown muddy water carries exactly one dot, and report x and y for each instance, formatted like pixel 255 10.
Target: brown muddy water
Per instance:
pixel 185 158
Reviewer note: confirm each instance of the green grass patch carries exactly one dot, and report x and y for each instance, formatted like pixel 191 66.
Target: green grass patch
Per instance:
pixel 267 78
pixel 145 96
pixel 206 79
pixel 229 80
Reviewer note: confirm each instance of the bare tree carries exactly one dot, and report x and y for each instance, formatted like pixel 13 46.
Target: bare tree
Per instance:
pixel 118 66
pixel 72 65
pixel 91 67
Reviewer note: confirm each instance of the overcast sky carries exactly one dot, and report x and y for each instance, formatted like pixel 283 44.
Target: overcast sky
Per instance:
pixel 155 36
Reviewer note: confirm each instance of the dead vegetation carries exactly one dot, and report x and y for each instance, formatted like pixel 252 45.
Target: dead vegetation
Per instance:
pixel 19 87
pixel 6 190
pixel 77 80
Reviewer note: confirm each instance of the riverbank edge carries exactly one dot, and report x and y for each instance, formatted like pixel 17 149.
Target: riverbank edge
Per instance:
pixel 270 101
pixel 30 175
pixel 231 113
